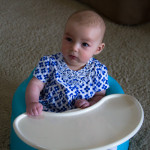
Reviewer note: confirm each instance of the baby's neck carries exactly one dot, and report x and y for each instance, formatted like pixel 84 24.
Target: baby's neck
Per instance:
pixel 76 68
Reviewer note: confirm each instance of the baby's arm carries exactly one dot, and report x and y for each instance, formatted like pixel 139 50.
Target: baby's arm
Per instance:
pixel 33 107
pixel 82 103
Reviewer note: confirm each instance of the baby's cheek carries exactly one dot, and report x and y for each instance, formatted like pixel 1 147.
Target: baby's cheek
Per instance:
pixel 85 57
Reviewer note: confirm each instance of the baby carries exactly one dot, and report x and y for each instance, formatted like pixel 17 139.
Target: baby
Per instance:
pixel 73 78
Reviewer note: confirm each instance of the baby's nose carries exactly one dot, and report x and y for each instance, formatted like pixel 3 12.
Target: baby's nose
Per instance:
pixel 75 47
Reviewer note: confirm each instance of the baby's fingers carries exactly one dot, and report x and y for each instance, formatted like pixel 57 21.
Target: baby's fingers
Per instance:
pixel 85 105
pixel 35 112
pixel 35 109
pixel 39 109
pixel 82 103
pixel 79 103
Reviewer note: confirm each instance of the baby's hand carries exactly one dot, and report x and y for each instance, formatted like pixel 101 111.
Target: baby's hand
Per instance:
pixel 82 103
pixel 34 109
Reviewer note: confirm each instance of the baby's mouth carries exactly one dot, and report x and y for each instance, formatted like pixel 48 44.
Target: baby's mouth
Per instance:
pixel 72 57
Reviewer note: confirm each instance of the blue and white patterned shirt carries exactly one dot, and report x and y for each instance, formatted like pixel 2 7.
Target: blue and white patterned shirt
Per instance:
pixel 64 86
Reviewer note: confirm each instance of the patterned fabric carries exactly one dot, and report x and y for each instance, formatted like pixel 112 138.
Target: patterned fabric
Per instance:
pixel 63 86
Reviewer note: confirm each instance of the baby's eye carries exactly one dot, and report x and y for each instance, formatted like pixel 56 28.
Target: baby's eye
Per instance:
pixel 85 44
pixel 69 39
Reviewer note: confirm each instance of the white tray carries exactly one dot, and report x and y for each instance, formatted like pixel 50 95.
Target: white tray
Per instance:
pixel 108 123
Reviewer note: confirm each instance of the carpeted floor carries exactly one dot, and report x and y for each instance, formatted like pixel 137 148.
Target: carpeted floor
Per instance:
pixel 30 29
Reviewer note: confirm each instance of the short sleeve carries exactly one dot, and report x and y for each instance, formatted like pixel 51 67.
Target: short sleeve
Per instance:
pixel 43 69
pixel 101 78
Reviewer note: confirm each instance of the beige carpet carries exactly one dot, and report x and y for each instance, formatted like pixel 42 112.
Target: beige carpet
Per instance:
pixel 30 29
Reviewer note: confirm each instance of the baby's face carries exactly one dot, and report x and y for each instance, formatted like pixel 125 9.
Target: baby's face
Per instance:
pixel 79 44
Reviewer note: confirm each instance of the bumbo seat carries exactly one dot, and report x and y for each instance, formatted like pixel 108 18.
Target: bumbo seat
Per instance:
pixel 19 107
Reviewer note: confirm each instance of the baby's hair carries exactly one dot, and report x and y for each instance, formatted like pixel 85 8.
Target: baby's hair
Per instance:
pixel 88 18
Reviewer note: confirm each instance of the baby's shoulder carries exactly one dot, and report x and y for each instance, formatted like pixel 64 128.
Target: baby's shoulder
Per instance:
pixel 53 57
pixel 97 64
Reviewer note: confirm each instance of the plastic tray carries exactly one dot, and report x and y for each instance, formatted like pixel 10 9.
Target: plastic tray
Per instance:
pixel 110 122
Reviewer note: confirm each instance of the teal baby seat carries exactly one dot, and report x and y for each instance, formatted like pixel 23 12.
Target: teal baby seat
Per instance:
pixel 19 107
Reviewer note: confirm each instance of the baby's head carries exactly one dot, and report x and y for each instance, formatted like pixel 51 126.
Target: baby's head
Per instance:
pixel 88 18
pixel 83 35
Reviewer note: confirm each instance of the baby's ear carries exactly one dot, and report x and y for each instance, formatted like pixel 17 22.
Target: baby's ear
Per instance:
pixel 100 48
